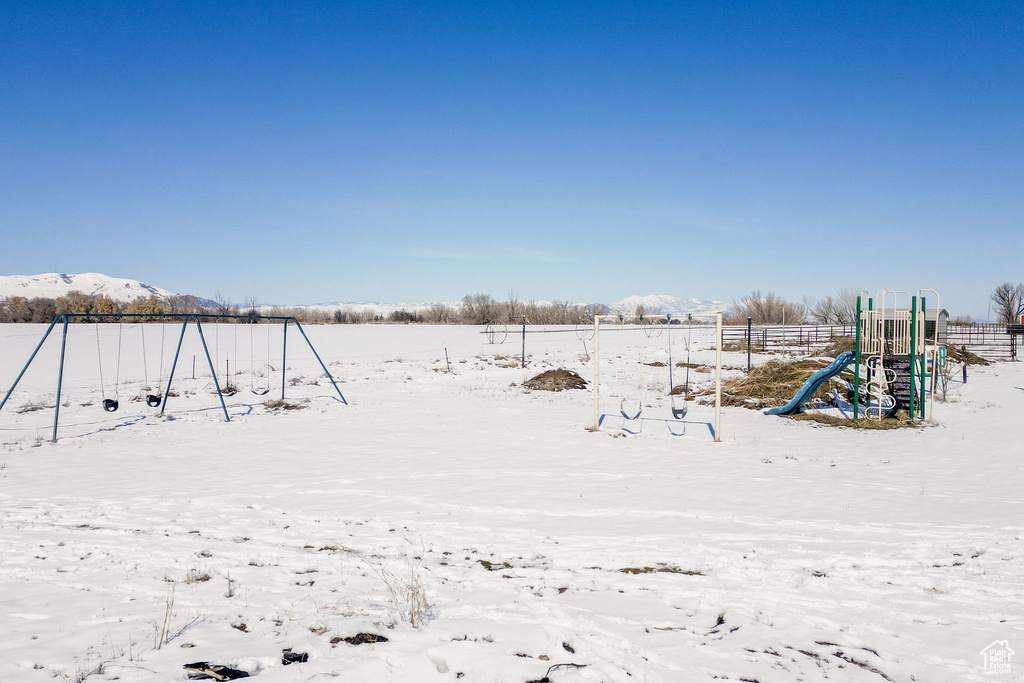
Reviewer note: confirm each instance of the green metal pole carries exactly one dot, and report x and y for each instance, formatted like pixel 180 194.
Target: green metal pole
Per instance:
pixel 913 355
pixel 856 367
pixel 924 359
pixel 60 378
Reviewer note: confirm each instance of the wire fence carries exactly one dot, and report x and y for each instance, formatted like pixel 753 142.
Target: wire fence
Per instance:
pixel 804 338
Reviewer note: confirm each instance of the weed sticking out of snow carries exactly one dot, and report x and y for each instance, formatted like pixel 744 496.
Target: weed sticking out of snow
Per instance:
pixel 280 404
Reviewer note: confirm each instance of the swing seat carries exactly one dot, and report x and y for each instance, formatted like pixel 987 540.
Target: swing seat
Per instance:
pixel 110 404
pixel 679 413
pixel 152 400
pixel 260 392
pixel 639 410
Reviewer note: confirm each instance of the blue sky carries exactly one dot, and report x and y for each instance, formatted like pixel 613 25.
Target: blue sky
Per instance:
pixel 304 152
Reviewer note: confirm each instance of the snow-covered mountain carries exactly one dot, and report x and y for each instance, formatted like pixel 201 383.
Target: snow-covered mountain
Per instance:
pixel 54 285
pixel 664 303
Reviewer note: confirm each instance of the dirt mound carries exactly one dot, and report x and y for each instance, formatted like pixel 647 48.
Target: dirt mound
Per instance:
pixel 556 380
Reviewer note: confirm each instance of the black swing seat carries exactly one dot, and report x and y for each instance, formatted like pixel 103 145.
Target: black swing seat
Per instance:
pixel 110 404
pixel 152 400
pixel 260 392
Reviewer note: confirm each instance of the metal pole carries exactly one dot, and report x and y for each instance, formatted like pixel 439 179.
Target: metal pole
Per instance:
pixel 329 375
pixel 524 342
pixel 213 371
pixel 597 371
pixel 170 377
pixel 913 355
pixel 718 377
pixel 924 354
pixel 284 360
pixel 60 378
pixel 748 345
pixel 856 367
pixel 30 359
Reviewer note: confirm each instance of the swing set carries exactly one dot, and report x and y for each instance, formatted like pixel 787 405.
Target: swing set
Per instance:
pixel 653 325
pixel 159 399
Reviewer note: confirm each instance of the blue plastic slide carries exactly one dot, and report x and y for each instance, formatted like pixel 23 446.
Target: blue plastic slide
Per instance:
pixel 837 366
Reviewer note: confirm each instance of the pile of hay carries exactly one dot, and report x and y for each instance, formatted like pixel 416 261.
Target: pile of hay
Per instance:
pixel 769 385
pixel 556 380
pixel 962 355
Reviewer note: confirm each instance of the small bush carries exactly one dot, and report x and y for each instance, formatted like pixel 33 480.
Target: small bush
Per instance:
pixel 280 404
pixel 31 407
pixel 196 576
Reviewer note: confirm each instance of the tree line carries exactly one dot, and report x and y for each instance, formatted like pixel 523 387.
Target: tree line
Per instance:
pixel 478 309
pixel 474 309
pixel 20 309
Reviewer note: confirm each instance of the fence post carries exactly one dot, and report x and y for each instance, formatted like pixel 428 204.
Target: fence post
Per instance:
pixel 749 324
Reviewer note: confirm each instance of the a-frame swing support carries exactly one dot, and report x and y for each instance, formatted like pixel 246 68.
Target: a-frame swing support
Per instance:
pixel 185 318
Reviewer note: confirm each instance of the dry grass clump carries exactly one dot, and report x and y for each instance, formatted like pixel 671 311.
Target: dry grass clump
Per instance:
pixel 280 404
pixel 961 354
pixel 741 345
pixel 899 421
pixel 556 380
pixel 771 384
pixel 699 367
pixel 840 345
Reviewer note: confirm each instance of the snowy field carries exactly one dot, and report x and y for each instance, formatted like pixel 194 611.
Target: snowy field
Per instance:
pixel 481 528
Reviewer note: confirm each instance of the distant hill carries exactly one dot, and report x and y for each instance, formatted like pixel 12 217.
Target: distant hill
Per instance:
pixel 54 285
pixel 664 303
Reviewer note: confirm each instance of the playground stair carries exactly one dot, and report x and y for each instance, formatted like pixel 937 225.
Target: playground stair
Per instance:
pixel 899 388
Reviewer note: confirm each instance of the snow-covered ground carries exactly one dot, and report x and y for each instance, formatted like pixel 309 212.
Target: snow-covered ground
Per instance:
pixel 519 539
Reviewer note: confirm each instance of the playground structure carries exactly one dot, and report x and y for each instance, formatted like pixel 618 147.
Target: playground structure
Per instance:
pixel 154 400
pixel 650 323
pixel 900 352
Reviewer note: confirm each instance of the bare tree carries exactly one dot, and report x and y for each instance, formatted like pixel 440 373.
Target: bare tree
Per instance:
pixel 224 306
pixel 766 309
pixel 477 309
pixel 1008 301
pixel 846 306
pixel 513 309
